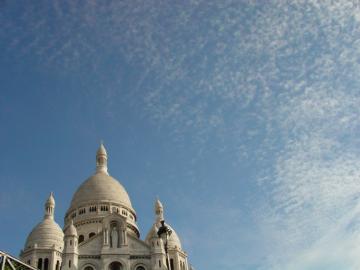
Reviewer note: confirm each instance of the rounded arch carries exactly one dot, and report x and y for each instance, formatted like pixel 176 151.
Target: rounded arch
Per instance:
pixel 106 266
pixel 140 267
pixel 81 238
pixel 39 264
pixel 89 266
pixel 46 264
pixel 91 234
pixel 115 265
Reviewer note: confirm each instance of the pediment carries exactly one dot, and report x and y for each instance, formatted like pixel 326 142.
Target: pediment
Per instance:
pixel 138 245
pixel 91 246
pixel 114 217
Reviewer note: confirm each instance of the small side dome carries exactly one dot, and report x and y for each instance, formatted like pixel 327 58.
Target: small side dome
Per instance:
pixel 71 230
pixel 173 241
pixel 45 235
pixel 152 233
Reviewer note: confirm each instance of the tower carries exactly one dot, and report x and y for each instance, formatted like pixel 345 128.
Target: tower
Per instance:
pixel 157 251
pixel 71 252
pixel 177 258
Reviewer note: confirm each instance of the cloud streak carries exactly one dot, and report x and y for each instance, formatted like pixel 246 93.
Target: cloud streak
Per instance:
pixel 275 84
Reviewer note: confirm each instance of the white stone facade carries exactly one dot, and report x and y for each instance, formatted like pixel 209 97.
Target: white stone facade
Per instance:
pixel 100 232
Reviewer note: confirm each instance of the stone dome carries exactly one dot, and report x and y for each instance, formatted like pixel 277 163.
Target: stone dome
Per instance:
pixel 46 234
pixel 71 230
pixel 173 241
pixel 98 188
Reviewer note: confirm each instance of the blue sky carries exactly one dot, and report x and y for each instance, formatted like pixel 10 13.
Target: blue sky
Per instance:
pixel 242 116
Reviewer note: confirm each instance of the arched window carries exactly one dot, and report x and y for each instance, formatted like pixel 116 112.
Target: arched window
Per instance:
pixel 69 263
pixel 39 266
pixel 104 208
pixel 140 268
pixel 159 263
pixel 91 234
pixel 57 267
pixel 70 242
pixel 81 238
pixel 171 264
pixel 88 268
pixel 115 266
pixel 46 264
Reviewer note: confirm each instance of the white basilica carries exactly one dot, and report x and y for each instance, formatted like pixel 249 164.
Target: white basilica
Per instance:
pixel 100 232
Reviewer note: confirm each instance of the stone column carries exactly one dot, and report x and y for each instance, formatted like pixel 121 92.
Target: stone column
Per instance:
pixel 52 260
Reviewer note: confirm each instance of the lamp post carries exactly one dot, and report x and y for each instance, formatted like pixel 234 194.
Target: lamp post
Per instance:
pixel 164 233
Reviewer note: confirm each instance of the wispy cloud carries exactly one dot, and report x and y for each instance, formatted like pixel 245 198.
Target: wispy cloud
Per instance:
pixel 274 83
pixel 313 185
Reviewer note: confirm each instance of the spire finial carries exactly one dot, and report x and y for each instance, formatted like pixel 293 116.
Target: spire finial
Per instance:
pixel 101 159
pixel 51 199
pixel 50 206
pixel 159 210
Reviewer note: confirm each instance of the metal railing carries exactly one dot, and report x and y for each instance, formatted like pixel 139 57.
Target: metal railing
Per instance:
pixel 8 262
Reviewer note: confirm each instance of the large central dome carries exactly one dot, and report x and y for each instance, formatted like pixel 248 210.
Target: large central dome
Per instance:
pixel 101 188
pixel 98 188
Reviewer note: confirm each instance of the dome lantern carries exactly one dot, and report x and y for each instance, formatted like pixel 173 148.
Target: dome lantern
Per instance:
pixel 47 233
pixel 159 211
pixel 173 240
pixel 50 207
pixel 71 230
pixel 103 193
pixel 101 159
